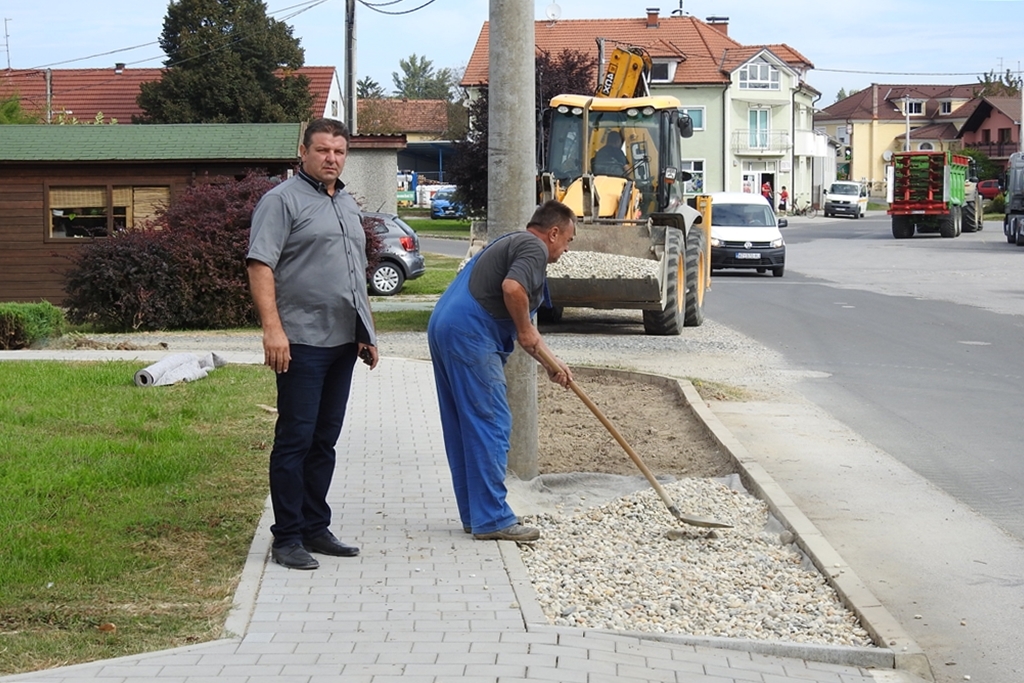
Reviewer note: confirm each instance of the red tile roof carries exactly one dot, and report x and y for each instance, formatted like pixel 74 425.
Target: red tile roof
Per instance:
pixel 85 92
pixel 701 47
pixel 428 117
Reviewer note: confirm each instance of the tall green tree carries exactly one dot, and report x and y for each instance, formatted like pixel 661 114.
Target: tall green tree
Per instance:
pixel 569 72
pixel 11 111
pixel 998 85
pixel 419 80
pixel 369 89
pixel 227 62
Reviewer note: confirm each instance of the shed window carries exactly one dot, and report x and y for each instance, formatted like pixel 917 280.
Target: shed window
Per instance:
pixel 97 211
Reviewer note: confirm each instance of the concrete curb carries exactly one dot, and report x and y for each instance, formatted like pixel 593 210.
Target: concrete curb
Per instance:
pixel 248 589
pixel 896 649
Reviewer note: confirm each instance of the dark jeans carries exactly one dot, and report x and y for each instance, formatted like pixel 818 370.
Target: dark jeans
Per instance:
pixel 311 400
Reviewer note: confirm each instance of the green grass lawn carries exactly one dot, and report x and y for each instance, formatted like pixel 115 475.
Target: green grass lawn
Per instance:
pixel 124 506
pixel 442 227
pixel 440 272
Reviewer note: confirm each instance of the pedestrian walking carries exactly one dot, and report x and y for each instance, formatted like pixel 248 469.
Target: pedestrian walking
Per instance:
pixel 473 329
pixel 783 200
pixel 307 274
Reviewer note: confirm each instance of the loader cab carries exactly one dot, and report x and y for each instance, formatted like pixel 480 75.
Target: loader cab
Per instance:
pixel 646 133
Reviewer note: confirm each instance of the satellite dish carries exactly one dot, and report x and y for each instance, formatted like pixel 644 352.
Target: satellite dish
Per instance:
pixel 553 11
pixel 887 155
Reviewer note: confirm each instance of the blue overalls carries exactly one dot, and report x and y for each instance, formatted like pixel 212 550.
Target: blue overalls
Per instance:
pixel 468 348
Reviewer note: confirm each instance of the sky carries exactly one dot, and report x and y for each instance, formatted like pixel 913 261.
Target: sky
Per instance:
pixel 852 44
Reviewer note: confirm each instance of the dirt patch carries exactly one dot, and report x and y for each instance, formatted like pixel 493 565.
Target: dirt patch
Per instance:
pixel 654 420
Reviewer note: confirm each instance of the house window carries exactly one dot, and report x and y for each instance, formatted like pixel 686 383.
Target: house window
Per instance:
pixel 334 108
pixel 1005 135
pixel 926 147
pixel 759 120
pixel 696 115
pixel 945 107
pixel 759 75
pixel 96 211
pixel 695 167
pixel 663 72
pixel 914 108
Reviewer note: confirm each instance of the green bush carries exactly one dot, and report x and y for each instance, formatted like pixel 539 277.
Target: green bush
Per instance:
pixel 22 325
pixel 998 204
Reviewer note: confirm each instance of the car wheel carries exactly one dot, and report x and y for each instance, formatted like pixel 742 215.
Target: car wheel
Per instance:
pixel 386 279
pixel 779 271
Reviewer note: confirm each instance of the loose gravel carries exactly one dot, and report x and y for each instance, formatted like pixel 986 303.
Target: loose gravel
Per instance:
pixel 628 565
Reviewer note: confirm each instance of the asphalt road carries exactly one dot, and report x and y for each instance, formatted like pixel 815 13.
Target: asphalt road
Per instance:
pixel 900 350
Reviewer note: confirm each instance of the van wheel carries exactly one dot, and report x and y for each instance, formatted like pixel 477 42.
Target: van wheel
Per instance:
pixel 779 271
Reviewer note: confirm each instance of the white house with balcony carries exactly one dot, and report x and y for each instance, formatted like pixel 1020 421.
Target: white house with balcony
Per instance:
pixel 751 110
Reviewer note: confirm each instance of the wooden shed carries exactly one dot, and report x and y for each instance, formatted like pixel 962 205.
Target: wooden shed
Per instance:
pixel 61 186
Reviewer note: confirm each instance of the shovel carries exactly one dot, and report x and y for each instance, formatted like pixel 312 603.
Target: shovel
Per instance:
pixel 685 519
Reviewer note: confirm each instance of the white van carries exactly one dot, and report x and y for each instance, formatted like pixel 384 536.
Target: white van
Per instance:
pixel 745 233
pixel 846 198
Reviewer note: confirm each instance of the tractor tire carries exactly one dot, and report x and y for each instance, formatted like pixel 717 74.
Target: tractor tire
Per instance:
pixel 947 225
pixel 696 278
pixel 670 320
pixel 902 227
pixel 970 218
pixel 550 316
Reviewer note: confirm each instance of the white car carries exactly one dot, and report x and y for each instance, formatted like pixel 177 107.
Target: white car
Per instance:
pixel 745 233
pixel 846 198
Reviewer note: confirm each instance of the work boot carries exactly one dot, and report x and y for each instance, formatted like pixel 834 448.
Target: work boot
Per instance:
pixel 515 532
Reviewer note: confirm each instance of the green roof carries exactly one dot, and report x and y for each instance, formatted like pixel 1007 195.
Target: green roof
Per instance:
pixel 199 141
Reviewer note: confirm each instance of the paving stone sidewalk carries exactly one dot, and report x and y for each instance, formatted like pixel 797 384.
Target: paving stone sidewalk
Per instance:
pixel 424 602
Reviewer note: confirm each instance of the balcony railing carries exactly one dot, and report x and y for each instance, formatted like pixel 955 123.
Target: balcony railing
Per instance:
pixel 994 150
pixel 761 142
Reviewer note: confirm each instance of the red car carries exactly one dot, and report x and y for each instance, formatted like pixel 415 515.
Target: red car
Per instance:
pixel 988 188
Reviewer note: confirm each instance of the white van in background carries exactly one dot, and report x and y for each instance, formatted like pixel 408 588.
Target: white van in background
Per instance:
pixel 846 198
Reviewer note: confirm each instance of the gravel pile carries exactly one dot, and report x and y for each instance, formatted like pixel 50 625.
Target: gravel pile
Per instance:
pixel 629 565
pixel 594 264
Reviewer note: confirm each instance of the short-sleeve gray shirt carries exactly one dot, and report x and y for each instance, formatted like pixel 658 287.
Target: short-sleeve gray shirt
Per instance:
pixel 315 244
pixel 519 256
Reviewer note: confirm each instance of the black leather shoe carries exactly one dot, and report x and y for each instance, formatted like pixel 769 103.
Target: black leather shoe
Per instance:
pixel 294 556
pixel 327 544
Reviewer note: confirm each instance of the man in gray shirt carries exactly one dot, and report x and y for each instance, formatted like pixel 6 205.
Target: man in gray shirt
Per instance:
pixel 307 274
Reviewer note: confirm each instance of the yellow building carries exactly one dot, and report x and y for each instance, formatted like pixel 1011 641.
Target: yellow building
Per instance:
pixel 872 123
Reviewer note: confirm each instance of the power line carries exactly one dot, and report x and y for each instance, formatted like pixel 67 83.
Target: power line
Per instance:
pixel 304 7
pixel 375 5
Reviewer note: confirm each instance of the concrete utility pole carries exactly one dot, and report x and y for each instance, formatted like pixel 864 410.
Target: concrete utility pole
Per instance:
pixel 350 66
pixel 511 200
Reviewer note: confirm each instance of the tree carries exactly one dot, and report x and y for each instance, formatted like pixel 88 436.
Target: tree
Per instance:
pixel 419 81
pixel 11 111
pixel 569 72
pixel 843 94
pixel 227 62
pixel 1002 85
pixel 369 89
pixel 987 168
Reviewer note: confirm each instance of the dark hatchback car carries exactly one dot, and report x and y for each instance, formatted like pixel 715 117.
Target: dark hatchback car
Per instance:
pixel 400 257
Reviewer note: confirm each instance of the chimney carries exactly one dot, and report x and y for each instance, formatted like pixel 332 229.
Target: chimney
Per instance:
pixel 652 17
pixel 720 24
pixel 119 67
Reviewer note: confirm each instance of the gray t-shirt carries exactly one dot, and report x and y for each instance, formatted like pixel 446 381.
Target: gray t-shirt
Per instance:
pixel 316 247
pixel 519 256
